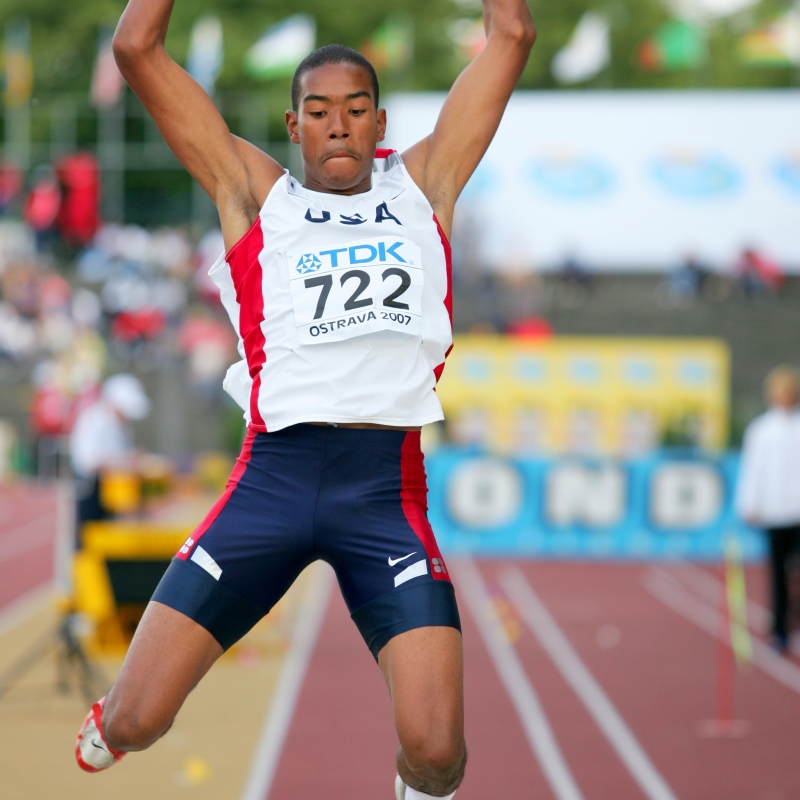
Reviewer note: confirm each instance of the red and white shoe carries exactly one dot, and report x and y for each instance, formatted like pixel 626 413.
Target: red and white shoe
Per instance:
pixel 92 751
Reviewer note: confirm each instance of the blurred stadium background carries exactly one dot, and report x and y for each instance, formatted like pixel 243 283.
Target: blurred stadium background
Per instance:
pixel 626 265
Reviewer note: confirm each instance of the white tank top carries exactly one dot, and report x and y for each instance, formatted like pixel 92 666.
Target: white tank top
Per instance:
pixel 342 304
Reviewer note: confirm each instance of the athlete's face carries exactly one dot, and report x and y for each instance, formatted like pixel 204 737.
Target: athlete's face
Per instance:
pixel 337 127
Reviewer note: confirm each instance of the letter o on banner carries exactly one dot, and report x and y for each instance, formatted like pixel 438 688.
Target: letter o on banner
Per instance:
pixel 685 495
pixel 484 493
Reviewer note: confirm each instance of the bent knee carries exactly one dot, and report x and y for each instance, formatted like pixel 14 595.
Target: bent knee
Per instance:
pixel 125 730
pixel 443 756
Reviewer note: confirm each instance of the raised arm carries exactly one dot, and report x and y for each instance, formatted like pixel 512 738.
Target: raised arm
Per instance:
pixel 442 163
pixel 236 175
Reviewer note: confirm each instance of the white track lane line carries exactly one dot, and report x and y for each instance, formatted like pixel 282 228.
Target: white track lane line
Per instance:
pixel 706 616
pixel 287 689
pixel 708 586
pixel 568 662
pixel 506 661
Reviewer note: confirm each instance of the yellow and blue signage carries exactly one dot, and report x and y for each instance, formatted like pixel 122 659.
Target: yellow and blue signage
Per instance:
pixel 584 396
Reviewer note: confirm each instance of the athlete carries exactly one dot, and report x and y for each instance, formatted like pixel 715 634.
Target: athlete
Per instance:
pixel 339 290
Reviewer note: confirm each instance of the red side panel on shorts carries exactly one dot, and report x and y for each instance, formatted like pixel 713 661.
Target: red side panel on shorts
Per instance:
pixel 414 499
pixel 448 298
pixel 248 282
pixel 233 482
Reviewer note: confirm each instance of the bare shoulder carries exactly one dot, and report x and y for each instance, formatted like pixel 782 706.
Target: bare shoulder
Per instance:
pixel 240 201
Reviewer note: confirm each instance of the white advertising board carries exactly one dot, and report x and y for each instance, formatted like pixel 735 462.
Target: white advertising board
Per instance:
pixel 629 180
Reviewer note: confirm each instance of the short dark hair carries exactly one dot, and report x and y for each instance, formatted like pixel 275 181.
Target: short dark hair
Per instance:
pixel 332 54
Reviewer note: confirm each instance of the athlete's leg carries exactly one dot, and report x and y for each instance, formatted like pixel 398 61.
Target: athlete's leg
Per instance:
pixel 372 527
pixel 423 669
pixel 169 655
pixel 228 574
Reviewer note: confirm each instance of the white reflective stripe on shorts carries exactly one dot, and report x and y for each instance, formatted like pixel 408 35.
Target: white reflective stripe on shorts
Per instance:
pixel 203 559
pixel 414 571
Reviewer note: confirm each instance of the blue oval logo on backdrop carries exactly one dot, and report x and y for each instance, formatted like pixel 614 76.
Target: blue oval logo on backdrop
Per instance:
pixel 572 177
pixel 638 372
pixel 476 370
pixel 530 370
pixel 695 175
pixel 787 171
pixel 694 373
pixel 584 370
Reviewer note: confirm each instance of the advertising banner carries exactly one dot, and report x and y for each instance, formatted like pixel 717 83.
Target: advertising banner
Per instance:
pixel 672 505
pixel 629 180
pixel 586 396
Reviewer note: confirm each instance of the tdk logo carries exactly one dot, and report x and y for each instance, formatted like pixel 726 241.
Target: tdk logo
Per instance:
pixel 308 263
pixel 380 252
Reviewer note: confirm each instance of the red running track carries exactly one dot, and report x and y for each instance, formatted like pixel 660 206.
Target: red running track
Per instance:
pixel 27 539
pixel 655 667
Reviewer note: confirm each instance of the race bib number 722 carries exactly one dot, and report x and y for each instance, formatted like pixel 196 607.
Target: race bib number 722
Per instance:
pixel 355 288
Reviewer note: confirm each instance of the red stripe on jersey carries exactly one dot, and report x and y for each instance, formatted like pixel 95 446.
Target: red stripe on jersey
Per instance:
pixel 448 297
pixel 216 510
pixel 414 500
pixel 437 371
pixel 248 282
pixel 384 152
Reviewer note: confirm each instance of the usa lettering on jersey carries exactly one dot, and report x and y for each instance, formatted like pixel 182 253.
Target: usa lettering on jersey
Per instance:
pixel 357 287
pixel 382 214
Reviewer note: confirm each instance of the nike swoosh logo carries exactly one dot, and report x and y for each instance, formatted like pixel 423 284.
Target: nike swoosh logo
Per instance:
pixel 393 561
pixel 98 746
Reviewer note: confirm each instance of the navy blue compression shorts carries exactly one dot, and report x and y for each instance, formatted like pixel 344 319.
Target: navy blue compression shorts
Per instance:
pixel 355 498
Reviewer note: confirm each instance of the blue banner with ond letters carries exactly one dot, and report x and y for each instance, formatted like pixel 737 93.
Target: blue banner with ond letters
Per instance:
pixel 672 505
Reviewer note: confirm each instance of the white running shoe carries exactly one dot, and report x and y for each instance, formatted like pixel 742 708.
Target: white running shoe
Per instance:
pixel 399 788
pixel 92 751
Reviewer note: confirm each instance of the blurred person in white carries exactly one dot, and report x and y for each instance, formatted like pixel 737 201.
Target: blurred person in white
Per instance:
pixel 102 437
pixel 768 491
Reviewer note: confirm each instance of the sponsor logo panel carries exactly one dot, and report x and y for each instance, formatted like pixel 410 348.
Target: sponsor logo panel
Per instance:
pixel 358 287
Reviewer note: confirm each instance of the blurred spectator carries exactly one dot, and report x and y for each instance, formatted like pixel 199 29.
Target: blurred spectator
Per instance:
pixel 17 244
pixel 682 286
pixel 17 334
pixel 79 216
pixel 758 274
pixel 209 345
pixel 209 249
pixel 101 437
pixel 691 276
pixel 11 183
pixel 42 204
pixel 62 387
pixel 574 272
pixel 131 326
pixel 21 289
pixel 531 328
pixel 519 295
pixel 768 492
pixel 51 407
pixel 575 282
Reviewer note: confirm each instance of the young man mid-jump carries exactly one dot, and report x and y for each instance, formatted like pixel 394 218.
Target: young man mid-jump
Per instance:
pixel 339 289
